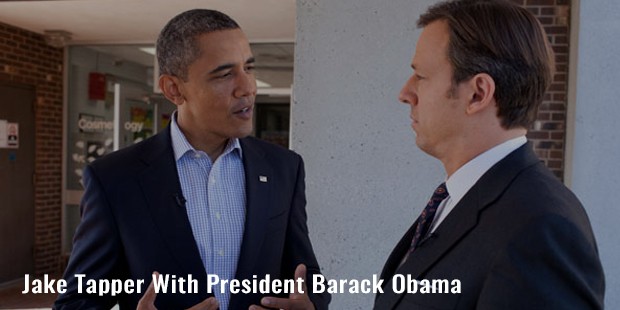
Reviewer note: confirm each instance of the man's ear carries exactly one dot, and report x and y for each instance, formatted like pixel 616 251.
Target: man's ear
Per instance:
pixel 482 93
pixel 170 86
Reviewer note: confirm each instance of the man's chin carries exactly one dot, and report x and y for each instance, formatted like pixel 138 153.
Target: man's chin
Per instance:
pixel 420 143
pixel 243 133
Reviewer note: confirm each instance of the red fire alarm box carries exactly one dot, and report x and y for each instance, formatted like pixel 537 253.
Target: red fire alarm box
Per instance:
pixel 96 86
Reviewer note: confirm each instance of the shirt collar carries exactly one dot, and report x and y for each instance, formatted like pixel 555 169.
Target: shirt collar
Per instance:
pixel 465 177
pixel 181 146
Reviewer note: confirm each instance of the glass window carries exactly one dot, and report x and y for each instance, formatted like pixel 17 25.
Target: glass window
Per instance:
pixel 111 105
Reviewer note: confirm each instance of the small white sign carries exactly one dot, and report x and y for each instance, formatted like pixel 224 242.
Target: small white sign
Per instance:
pixel 3 136
pixel 12 135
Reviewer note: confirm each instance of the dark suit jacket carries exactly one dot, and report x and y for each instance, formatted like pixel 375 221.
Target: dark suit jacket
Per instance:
pixel 132 225
pixel 519 239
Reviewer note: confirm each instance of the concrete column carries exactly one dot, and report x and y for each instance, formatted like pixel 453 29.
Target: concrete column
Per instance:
pixel 366 180
pixel 364 173
pixel 593 141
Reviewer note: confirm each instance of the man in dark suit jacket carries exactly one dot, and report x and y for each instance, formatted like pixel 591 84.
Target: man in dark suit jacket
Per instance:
pixel 135 212
pixel 508 234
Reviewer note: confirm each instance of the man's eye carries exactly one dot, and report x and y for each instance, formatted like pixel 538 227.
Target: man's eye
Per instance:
pixel 249 68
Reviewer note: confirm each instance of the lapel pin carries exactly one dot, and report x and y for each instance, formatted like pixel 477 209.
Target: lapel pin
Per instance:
pixel 262 178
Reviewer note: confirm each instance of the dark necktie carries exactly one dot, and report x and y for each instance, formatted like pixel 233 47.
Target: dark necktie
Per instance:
pixel 426 218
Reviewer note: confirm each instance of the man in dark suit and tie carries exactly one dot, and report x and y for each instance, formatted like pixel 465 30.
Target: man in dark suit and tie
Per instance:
pixel 501 224
pixel 200 198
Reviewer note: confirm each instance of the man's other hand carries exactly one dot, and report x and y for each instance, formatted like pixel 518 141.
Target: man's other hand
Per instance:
pixel 295 301
pixel 147 302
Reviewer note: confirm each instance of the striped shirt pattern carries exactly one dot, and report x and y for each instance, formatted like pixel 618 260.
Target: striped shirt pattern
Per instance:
pixel 215 202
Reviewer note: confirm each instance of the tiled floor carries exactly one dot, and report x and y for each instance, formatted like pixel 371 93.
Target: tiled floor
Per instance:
pixel 11 297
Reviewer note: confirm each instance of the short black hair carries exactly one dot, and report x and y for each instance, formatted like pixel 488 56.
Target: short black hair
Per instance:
pixel 177 44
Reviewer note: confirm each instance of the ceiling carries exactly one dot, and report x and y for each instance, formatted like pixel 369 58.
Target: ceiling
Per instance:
pixel 139 21
pixel 120 27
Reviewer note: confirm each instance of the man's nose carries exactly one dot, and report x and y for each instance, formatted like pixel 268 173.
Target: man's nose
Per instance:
pixel 407 94
pixel 246 85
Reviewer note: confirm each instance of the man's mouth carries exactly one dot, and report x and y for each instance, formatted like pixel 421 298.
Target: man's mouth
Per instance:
pixel 244 110
pixel 244 113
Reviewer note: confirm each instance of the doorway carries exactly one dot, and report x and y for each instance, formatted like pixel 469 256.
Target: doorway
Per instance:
pixel 16 181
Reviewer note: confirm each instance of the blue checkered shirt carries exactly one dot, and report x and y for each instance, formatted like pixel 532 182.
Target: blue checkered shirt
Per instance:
pixel 215 201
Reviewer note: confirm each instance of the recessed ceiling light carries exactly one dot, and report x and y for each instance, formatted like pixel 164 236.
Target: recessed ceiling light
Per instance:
pixel 262 84
pixel 148 50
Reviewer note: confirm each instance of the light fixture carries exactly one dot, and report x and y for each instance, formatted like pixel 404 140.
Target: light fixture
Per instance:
pixel 261 84
pixel 148 50
pixel 57 38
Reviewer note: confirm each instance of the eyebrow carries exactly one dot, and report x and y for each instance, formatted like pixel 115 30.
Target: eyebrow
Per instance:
pixel 227 66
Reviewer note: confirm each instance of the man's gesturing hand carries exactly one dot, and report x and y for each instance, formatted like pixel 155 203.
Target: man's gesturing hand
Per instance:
pixel 295 301
pixel 147 302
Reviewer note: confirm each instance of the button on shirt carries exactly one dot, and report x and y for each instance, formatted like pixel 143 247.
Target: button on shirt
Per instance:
pixel 466 177
pixel 215 202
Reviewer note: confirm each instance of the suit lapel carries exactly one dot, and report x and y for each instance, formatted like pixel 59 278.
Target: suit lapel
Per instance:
pixel 398 253
pixel 426 254
pixel 258 184
pixel 160 185
pixel 462 219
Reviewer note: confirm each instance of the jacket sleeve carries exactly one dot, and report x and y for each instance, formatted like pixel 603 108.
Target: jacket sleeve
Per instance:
pixel 96 250
pixel 298 248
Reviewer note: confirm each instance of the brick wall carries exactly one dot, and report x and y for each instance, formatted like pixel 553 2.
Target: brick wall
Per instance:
pixel 25 58
pixel 549 133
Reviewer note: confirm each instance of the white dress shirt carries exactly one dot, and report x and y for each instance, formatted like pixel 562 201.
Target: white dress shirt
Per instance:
pixel 465 177
pixel 215 203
